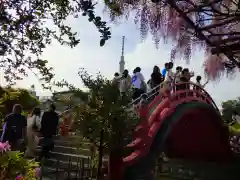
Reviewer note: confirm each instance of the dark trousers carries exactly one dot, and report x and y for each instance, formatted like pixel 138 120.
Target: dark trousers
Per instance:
pixel 17 145
pixel 47 146
pixel 137 93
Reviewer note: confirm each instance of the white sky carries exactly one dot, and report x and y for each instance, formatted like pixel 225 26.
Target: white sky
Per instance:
pixel 90 55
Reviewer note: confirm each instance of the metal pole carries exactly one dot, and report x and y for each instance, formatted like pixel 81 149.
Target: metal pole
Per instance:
pixel 100 150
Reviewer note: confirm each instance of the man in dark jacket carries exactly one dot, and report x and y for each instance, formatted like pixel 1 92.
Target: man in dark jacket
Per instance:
pixel 49 126
pixel 15 128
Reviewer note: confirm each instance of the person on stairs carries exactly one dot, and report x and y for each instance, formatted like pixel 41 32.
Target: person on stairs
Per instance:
pixel 15 129
pixel 66 124
pixel 33 126
pixel 49 126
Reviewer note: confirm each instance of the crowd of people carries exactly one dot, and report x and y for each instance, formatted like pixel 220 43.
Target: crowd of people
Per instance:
pixel 24 133
pixel 136 83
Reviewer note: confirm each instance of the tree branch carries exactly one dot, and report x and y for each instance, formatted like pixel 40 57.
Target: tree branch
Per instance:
pixel 218 24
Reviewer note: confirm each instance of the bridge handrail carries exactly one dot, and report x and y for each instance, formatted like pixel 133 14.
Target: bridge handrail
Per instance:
pixel 197 87
pixel 173 90
pixel 150 92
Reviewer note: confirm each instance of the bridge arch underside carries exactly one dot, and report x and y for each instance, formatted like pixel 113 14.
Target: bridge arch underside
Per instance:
pixel 194 132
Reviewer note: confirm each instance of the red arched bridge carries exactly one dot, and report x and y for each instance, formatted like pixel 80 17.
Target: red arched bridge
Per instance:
pixel 186 124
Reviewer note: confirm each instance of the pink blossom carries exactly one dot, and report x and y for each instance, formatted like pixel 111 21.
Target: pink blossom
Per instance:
pixel 4 147
pixel 1 146
pixel 19 177
pixel 37 172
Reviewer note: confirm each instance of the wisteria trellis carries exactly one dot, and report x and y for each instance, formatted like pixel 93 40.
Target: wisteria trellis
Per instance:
pixel 210 24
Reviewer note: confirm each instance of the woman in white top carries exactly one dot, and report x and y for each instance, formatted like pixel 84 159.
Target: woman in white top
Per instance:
pixel 170 75
pixel 33 126
pixel 178 74
pixel 169 78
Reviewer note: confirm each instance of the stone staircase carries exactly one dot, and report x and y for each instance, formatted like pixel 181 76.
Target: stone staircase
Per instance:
pixel 70 159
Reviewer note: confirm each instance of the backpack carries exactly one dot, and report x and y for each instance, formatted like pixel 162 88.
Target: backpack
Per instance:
pixel 11 132
pixel 13 128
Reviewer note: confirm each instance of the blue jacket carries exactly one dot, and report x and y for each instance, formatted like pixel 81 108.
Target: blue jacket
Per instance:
pixel 164 72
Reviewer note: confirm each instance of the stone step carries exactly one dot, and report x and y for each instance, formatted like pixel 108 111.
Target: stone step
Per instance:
pixel 66 165
pixel 65 156
pixel 78 144
pixel 86 163
pixel 69 138
pixel 69 150
pixel 68 157
pixel 70 143
pixel 63 174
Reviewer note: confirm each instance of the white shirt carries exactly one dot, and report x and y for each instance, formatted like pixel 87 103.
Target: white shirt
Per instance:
pixel 137 80
pixel 31 120
pixel 169 76
pixel 177 77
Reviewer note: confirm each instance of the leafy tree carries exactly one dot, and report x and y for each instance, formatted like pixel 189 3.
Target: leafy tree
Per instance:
pixel 25 33
pixel 10 96
pixel 102 110
pixel 228 107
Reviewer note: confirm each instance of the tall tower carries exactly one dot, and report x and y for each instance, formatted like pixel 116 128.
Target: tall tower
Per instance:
pixel 122 62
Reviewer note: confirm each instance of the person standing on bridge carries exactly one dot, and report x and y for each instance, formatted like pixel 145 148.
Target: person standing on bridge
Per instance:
pixel 156 77
pixel 125 83
pixel 199 84
pixel 164 70
pixel 139 86
pixel 178 74
pixel 116 80
pixel 169 78
pixel 156 80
